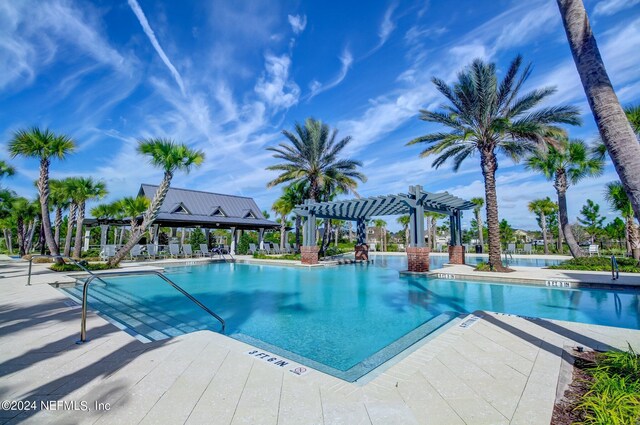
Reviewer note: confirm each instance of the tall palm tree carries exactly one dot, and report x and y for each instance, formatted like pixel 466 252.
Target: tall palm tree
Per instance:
pixel 633 115
pixel 44 145
pixel 69 189
pixel 295 194
pixel 543 208
pixel 489 117
pixel 382 225
pixel 619 201
pixel 477 211
pixel 566 162
pixel 170 157
pixel 283 207
pixel 86 189
pixel 60 202
pixel 103 213
pixel 6 170
pixel 404 221
pixel 312 155
pixel 24 213
pixel 133 207
pixel 615 130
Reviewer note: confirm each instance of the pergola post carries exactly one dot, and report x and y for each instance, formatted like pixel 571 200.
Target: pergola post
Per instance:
pixel 309 251
pixel 155 230
pixel 417 253
pixel 104 229
pixel 456 249
pixel 87 238
pixel 361 248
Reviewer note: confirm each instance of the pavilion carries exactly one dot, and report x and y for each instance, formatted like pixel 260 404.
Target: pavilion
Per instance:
pixel 414 203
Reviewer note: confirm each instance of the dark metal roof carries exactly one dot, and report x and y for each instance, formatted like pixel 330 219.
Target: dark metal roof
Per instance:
pixel 354 209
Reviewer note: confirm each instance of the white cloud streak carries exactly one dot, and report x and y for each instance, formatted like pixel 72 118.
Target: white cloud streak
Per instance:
pixel 611 7
pixel 298 23
pixel 346 60
pixel 154 42
pixel 274 85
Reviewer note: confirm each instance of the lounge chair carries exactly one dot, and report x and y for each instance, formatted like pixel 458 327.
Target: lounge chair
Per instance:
pixel 107 252
pixel 276 249
pixel 372 247
pixel 286 249
pixel 439 247
pixel 174 250
pixel 511 248
pixel 204 250
pixel 401 247
pixel 152 251
pixel 136 252
pixel 252 249
pixel 293 248
pixel 527 248
pixel 187 251
pixel 594 250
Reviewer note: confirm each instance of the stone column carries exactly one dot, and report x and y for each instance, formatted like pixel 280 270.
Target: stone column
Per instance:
pixel 361 249
pixel 87 238
pixel 456 254
pixel 234 241
pixel 261 238
pixel 418 258
pixel 309 254
pixel 104 229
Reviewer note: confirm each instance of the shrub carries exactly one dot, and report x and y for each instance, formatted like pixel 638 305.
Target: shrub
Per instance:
pixel 243 243
pixel 197 237
pixel 260 256
pixel 483 267
pixel 598 264
pixel 73 268
pixel 93 252
pixel 332 250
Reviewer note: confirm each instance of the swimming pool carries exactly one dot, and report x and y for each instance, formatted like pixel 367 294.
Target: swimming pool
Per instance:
pixel 399 262
pixel 343 320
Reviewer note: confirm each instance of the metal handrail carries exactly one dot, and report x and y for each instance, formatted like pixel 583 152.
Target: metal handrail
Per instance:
pixel 615 272
pixel 506 260
pixel 77 263
pixel 85 292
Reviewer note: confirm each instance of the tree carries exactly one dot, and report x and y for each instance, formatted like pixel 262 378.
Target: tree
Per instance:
pixel 60 202
pixel 382 225
pixel 615 130
pixel 488 117
pixel 6 170
pixel 312 156
pixel 543 208
pixel 479 203
pixel 266 214
pixel 68 188
pixel 133 207
pixel 170 157
pixel 85 189
pixel 566 162
pixel 197 237
pixel 591 219
pixel 506 232
pixel 44 145
pixel 617 230
pixel 619 201
pixel 404 220
pixel 633 115
pixel 283 207
pixel 24 213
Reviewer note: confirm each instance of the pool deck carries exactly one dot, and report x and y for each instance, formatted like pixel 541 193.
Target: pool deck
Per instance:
pixel 484 369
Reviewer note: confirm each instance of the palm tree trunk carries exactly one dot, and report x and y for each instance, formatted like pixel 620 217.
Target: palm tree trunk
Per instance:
pixel 615 130
pixel 561 185
pixel 21 237
pixel 543 220
pixel 337 237
pixel 58 224
pixel 283 229
pixel 79 224
pixel 489 166
pixel 32 231
pixel 73 209
pixel 634 237
pixel 147 220
pixel 8 240
pixel 43 188
pixel 298 223
pixel 434 232
pixel 559 243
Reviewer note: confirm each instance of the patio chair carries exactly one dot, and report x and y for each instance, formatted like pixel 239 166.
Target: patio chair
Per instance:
pixel 276 248
pixel 293 248
pixel 107 252
pixel 252 249
pixel 204 250
pixel 594 250
pixel 152 251
pixel 187 251
pixel 174 250
pixel 286 249
pixel 439 247
pixel 401 247
pixel 528 249
pixel 511 248
pixel 136 252
pixel 372 247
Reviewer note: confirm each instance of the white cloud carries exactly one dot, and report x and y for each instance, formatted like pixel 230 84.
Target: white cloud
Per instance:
pixel 611 7
pixel 274 85
pixel 298 23
pixel 156 45
pixel 346 60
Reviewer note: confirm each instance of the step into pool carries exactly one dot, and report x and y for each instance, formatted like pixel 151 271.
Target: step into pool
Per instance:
pixel 344 320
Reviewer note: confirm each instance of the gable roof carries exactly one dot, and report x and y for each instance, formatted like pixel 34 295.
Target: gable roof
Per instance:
pixel 202 207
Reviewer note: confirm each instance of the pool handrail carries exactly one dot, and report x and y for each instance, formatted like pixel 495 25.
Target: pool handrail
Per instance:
pixel 63 257
pixel 615 272
pixel 85 293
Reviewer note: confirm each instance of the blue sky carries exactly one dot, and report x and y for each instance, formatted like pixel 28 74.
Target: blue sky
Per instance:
pixel 227 77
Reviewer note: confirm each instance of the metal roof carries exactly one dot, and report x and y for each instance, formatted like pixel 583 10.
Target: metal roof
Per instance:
pixel 402 203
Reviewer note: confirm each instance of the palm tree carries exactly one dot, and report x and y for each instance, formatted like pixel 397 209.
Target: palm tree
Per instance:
pixel 543 208
pixel 404 221
pixel 619 201
pixel 43 145
pixel 490 117
pixel 170 157
pixel 24 213
pixel 566 162
pixel 6 170
pixel 60 202
pixel 312 156
pixel 69 188
pixel 479 203
pixel 633 115
pixel 133 208
pixel 86 189
pixel 615 130
pixel 283 207
pixel 295 194
pixel 382 225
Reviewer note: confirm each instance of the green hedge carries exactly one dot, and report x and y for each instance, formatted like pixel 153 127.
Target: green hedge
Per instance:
pixel 598 264
pixel 73 268
pixel 278 257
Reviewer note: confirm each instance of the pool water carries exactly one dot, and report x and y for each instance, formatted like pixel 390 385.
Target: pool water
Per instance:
pixel 344 320
pixel 399 262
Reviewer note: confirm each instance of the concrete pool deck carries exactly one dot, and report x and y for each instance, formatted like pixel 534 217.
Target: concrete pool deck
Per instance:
pixel 484 369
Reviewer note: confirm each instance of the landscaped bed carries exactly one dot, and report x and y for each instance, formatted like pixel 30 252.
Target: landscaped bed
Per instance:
pixel 602 264
pixel 605 390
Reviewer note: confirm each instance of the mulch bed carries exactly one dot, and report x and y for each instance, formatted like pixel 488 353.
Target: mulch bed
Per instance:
pixel 563 411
